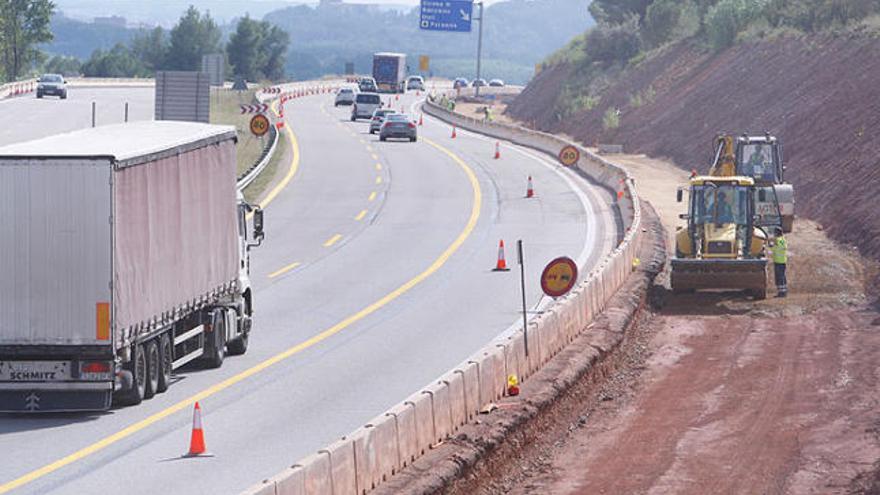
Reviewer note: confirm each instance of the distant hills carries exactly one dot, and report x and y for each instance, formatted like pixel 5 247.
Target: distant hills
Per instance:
pixel 517 35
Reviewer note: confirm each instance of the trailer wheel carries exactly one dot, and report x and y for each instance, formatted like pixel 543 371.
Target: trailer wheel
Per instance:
pixel 151 380
pixel 166 357
pixel 138 368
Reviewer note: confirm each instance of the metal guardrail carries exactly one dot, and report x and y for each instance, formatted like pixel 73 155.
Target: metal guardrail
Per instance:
pixel 268 152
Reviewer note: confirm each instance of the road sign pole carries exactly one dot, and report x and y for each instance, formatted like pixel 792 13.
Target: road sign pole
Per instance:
pixel 93 114
pixel 522 280
pixel 479 47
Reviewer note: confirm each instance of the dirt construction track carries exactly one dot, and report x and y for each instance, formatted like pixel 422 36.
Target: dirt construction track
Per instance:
pixel 714 392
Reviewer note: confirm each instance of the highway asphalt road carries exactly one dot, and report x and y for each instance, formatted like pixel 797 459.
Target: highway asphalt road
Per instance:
pixel 375 278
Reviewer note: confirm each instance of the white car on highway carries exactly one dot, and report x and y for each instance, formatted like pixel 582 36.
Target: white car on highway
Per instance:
pixel 364 106
pixel 345 96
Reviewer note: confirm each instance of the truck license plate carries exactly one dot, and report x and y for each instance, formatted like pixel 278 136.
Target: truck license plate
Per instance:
pixel 34 371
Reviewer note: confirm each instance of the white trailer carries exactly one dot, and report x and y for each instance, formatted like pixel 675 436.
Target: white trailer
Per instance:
pixel 124 255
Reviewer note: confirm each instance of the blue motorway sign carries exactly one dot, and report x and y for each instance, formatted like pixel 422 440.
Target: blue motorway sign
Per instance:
pixel 446 15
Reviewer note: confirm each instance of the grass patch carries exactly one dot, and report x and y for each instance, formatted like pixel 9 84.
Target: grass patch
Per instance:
pixel 256 188
pixel 225 110
pixel 611 119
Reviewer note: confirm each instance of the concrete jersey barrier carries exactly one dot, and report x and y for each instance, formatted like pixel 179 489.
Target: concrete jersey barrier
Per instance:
pixel 361 461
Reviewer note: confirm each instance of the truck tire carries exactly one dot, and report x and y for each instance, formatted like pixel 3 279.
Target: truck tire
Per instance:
pixel 151 381
pixel 166 357
pixel 216 344
pixel 138 368
pixel 239 346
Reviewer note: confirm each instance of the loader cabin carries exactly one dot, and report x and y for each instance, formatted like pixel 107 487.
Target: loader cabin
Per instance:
pixel 760 157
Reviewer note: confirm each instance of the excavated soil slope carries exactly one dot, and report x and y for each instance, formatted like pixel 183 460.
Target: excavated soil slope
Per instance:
pixel 819 94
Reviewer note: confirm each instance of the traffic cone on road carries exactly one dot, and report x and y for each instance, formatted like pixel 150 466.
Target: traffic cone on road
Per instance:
pixel 421 119
pixel 501 264
pixel 453 132
pixel 497 150
pixel 530 191
pixel 197 440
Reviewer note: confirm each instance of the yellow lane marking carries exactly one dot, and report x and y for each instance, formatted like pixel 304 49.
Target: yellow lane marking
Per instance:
pixel 362 141
pixel 311 342
pixel 333 240
pixel 378 166
pixel 375 157
pixel 285 269
pixel 360 216
pixel 379 180
pixel 372 196
pixel 370 149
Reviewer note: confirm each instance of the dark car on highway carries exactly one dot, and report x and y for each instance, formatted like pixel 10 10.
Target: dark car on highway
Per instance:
pixel 51 84
pixel 459 82
pixel 398 125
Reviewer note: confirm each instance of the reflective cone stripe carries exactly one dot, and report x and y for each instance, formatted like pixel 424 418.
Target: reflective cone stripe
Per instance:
pixel 197 440
pixel 530 191
pixel 453 132
pixel 501 264
pixel 421 119
pixel 497 150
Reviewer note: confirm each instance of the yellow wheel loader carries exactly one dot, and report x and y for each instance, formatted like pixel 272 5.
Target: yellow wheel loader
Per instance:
pixel 723 246
pixel 758 157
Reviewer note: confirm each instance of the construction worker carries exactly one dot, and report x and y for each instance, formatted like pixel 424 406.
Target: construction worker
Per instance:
pixel 780 260
pixel 724 214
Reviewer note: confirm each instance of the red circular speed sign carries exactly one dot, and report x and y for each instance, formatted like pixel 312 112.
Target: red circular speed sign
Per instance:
pixel 559 277
pixel 569 155
pixel 259 125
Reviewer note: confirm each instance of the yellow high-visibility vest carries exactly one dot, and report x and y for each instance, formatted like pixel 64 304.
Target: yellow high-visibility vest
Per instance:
pixel 780 251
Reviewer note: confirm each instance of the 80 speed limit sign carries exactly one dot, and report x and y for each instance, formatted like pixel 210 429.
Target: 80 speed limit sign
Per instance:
pixel 569 155
pixel 259 125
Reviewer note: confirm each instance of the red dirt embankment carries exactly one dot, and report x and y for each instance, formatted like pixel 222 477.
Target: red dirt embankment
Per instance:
pixel 819 94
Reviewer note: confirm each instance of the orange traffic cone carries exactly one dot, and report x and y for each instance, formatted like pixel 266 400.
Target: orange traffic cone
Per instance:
pixel 453 132
pixel 497 150
pixel 197 441
pixel 421 119
pixel 501 264
pixel 396 97
pixel 530 191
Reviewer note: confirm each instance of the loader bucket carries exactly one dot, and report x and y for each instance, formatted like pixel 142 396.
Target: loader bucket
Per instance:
pixel 696 274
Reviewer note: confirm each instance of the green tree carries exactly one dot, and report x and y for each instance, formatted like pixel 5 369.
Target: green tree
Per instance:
pixel 244 49
pixel 23 25
pixel 669 20
pixel 618 11
pixel 117 62
pixel 728 17
pixel 193 36
pixel 616 43
pixel 151 48
pixel 258 50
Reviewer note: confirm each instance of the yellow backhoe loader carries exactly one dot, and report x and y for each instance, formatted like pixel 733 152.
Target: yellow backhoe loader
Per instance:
pixel 723 246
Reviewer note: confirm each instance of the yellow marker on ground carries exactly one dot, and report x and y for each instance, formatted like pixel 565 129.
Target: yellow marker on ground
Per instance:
pixel 360 216
pixel 379 180
pixel 372 196
pixel 333 240
pixel 375 157
pixel 378 166
pixel 284 270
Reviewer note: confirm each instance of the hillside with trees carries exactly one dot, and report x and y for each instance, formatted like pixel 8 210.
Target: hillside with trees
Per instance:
pixel 664 77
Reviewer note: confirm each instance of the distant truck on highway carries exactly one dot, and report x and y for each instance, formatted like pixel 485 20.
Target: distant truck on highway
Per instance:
pixel 389 71
pixel 124 255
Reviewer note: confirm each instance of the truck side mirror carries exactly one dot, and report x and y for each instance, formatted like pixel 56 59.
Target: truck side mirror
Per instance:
pixel 258 224
pixel 679 195
pixel 762 195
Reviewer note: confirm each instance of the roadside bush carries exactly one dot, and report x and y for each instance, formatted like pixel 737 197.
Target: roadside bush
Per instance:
pixel 728 17
pixel 611 119
pixel 613 44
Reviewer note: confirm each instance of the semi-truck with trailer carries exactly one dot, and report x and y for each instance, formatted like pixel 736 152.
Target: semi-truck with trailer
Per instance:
pixel 389 71
pixel 124 255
